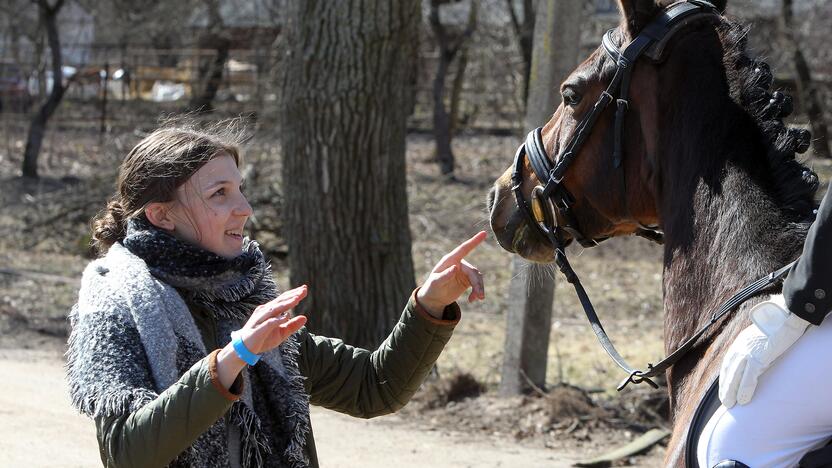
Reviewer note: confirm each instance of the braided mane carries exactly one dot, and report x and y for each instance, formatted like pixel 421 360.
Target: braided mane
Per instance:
pixel 750 80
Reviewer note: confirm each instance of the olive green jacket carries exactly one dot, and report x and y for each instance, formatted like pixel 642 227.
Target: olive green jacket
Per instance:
pixel 338 376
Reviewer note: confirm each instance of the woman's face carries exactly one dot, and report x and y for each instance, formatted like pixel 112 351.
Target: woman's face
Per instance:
pixel 210 209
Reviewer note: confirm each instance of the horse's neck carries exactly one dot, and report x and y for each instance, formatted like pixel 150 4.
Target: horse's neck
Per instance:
pixel 728 233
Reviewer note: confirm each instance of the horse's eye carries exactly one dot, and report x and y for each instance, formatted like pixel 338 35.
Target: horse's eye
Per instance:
pixel 570 96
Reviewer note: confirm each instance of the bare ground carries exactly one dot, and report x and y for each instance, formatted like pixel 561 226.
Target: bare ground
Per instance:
pixel 40 429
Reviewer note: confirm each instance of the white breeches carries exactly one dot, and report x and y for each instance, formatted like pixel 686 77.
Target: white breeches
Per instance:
pixel 790 414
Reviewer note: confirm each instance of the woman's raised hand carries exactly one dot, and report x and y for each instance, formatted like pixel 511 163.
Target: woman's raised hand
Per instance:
pixel 269 325
pixel 451 277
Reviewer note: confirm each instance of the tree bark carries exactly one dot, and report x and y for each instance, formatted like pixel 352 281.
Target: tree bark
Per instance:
pixel 449 45
pixel 346 91
pixel 37 128
pixel 531 293
pixel 210 70
pixel 806 88
pixel 210 73
pixel 456 92
pixel 524 32
pixel 441 119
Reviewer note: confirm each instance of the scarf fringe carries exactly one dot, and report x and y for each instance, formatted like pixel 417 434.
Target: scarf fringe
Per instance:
pixel 254 443
pixel 95 401
pixel 111 404
pixel 298 407
pixel 254 288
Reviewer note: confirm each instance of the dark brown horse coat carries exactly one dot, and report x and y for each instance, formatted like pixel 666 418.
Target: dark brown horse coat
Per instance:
pixel 707 158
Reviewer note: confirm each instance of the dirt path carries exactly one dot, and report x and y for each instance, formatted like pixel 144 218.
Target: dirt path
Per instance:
pixel 39 428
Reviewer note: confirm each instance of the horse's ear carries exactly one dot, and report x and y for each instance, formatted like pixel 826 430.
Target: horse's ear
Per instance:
pixel 720 5
pixel 637 13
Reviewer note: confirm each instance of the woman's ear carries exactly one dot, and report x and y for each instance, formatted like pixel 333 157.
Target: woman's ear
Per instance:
pixel 637 13
pixel 159 215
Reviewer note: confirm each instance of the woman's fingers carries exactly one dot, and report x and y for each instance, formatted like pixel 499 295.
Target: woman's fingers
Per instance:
pixel 455 279
pixel 449 273
pixel 275 330
pixel 279 305
pixel 475 280
pixel 456 255
pixel 281 300
pixel 282 324
pixel 284 328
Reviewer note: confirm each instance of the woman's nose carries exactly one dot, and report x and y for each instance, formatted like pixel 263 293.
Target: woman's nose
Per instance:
pixel 243 207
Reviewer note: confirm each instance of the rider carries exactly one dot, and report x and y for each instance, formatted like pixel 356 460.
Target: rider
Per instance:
pixel 787 427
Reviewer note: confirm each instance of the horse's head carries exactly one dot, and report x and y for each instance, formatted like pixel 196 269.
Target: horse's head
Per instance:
pixel 611 188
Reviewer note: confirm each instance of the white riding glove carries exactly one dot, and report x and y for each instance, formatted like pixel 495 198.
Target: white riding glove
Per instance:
pixel 773 331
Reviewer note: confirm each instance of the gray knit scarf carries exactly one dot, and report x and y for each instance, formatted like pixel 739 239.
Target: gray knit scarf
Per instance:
pixel 134 307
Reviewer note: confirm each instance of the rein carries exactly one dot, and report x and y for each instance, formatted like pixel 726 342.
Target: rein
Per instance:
pixel 553 201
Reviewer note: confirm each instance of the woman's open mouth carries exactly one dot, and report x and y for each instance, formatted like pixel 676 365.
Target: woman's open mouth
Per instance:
pixel 235 234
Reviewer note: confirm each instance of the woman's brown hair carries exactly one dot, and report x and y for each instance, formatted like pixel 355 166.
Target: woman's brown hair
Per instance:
pixel 152 171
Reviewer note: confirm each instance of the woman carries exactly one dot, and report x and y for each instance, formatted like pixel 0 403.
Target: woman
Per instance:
pixel 182 351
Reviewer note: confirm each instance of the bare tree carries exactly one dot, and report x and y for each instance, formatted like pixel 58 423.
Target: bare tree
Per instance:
pixel 450 43
pixel 48 16
pixel 346 92
pixel 23 32
pixel 209 76
pixel 805 85
pixel 523 25
pixel 531 292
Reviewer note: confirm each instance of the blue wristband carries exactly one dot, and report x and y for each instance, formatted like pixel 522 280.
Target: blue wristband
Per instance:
pixel 241 350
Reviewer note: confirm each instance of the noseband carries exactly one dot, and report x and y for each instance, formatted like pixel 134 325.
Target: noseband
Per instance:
pixel 553 201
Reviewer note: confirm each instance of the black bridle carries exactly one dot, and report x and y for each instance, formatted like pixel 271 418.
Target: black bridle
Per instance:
pixel 552 202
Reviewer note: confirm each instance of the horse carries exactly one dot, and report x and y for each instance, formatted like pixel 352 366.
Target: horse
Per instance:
pixel 692 151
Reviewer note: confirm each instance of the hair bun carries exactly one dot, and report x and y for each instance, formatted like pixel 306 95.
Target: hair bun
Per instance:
pixel 109 226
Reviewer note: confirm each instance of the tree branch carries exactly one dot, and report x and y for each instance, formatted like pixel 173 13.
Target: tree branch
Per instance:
pixel 514 21
pixel 437 26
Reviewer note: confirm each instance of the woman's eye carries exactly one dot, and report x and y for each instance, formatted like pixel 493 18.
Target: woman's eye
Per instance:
pixel 219 192
pixel 570 97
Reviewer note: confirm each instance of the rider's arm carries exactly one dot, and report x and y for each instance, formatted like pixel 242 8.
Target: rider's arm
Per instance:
pixel 808 288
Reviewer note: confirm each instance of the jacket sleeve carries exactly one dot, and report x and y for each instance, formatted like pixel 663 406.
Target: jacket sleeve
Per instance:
pixel 366 384
pixel 808 287
pixel 156 433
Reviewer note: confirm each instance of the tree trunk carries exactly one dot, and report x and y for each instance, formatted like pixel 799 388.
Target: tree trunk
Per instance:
pixel 456 92
pixel 528 322
pixel 345 93
pixel 210 69
pixel 531 292
pixel 449 45
pixel 806 89
pixel 40 61
pixel 524 32
pixel 37 128
pixel 210 73
pixel 441 119
pixel 164 42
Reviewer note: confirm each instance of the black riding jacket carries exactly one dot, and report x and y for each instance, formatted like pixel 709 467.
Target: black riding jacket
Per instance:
pixel 808 288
